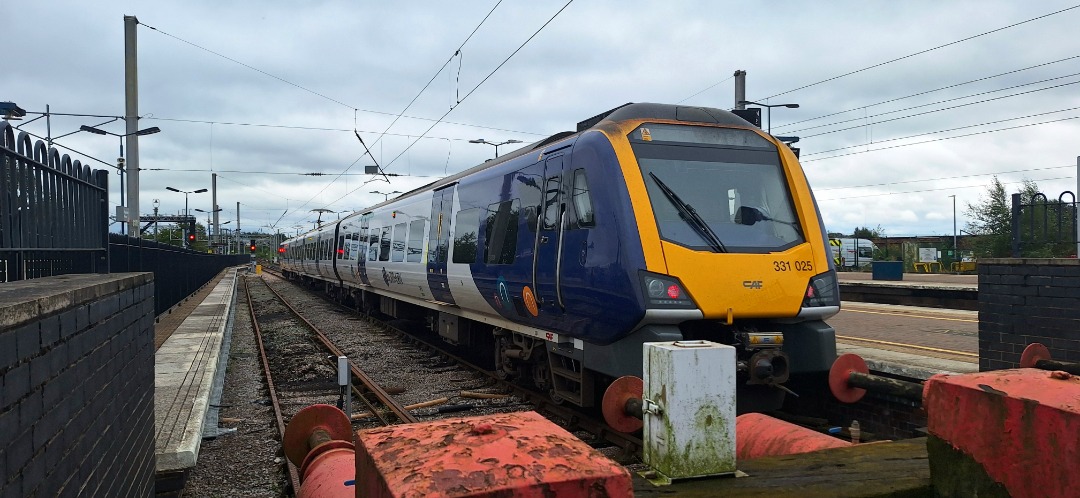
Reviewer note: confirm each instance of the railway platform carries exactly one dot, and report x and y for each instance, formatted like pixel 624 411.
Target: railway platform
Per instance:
pixel 936 290
pixel 189 369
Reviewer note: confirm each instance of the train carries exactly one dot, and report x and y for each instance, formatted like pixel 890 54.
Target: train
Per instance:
pixel 649 223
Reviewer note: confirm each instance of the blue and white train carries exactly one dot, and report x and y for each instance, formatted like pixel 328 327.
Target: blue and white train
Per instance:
pixel 649 223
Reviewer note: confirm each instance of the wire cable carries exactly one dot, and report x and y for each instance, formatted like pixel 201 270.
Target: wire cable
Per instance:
pixel 984 78
pixel 940 131
pixel 886 184
pixel 478 85
pixel 937 189
pixel 1044 16
pixel 942 109
pixel 944 138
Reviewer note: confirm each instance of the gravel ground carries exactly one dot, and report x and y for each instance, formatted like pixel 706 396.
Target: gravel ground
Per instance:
pixel 249 461
pixel 246 462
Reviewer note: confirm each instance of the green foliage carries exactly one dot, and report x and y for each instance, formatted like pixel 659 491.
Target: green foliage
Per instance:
pixel 868 233
pixel 1041 238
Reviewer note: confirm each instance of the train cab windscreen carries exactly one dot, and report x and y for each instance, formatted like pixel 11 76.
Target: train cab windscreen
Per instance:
pixel 716 189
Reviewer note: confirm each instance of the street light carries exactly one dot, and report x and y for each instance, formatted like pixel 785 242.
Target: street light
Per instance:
pixel 482 141
pixel 768 110
pixel 955 249
pixel 386 194
pixel 120 160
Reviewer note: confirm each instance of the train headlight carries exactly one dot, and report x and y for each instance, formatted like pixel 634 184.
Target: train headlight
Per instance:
pixel 822 291
pixel 663 291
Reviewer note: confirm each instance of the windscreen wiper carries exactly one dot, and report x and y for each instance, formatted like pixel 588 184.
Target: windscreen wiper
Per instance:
pixel 687 213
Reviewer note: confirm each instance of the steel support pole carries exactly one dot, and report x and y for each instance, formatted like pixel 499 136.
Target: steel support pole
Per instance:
pixel 131 116
pixel 740 89
pixel 215 234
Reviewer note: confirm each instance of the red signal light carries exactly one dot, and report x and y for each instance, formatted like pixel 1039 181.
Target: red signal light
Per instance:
pixel 191 237
pixel 281 250
pixel 673 291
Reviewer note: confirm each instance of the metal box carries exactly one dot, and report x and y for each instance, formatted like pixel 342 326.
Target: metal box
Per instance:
pixel 689 408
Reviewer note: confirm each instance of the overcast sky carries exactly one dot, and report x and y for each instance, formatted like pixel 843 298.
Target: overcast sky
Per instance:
pixel 304 75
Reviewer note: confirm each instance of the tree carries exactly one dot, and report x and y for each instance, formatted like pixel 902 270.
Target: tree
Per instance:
pixel 868 233
pixel 991 219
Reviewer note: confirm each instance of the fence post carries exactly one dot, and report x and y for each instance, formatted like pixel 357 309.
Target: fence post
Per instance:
pixel 102 180
pixel 1016 225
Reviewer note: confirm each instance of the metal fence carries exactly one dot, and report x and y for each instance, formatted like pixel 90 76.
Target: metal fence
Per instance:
pixel 1044 228
pixel 178 272
pixel 53 211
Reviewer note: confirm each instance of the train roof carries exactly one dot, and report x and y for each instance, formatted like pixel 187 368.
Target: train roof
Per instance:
pixel 695 114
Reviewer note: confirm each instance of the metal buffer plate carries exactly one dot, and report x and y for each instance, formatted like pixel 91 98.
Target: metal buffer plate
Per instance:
pixel 840 373
pixel 615 398
pixel 325 417
pixel 1032 354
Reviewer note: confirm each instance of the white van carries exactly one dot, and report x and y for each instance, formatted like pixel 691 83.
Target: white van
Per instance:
pixel 851 253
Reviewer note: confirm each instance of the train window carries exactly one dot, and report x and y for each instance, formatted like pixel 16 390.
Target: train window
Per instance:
pixel 529 191
pixel 345 252
pixel 551 202
pixel 500 234
pixel 373 244
pixel 466 228
pixel 583 211
pixel 416 241
pixel 362 249
pixel 398 252
pixel 384 245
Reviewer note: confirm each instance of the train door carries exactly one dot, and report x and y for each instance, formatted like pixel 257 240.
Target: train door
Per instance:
pixel 442 206
pixel 548 245
pixel 362 254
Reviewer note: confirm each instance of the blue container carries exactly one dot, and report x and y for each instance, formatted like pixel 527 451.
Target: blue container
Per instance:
pixel 887 270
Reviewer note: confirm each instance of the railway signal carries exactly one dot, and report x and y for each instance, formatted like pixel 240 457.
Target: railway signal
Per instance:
pixel 252 246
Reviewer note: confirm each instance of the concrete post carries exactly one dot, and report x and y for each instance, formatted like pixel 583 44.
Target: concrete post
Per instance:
pixel 131 116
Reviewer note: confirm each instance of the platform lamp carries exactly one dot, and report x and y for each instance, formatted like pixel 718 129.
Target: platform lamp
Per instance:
pixel 187 214
pixel 768 111
pixel 120 160
pixel 482 141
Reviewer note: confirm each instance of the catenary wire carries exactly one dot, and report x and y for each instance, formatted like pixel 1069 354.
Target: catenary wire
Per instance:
pixel 1044 16
pixel 955 85
pixel 478 85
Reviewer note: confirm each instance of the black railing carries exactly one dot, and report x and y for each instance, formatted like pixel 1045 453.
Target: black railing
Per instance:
pixel 53 211
pixel 178 272
pixel 1044 228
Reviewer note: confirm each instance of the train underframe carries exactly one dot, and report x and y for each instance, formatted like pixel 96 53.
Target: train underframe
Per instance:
pixel 768 352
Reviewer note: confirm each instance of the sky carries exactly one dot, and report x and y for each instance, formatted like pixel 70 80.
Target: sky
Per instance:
pixel 902 105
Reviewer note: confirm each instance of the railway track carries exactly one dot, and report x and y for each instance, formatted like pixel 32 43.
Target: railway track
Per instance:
pixel 418 353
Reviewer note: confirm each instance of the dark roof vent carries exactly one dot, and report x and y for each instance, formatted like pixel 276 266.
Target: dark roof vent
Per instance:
pixel 589 123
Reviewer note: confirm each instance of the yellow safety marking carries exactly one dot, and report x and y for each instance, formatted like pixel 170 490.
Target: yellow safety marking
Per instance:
pixel 912 346
pixel 913 316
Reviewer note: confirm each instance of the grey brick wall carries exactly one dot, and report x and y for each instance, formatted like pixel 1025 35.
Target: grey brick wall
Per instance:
pixel 1022 301
pixel 77 386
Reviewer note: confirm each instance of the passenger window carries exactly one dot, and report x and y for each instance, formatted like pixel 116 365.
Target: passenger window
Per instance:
pixel 384 248
pixel 500 235
pixel 529 190
pixel 398 254
pixel 416 241
pixel 551 203
pixel 466 228
pixel 582 203
pixel 362 249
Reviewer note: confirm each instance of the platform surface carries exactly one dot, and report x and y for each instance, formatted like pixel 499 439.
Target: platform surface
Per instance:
pixel 184 371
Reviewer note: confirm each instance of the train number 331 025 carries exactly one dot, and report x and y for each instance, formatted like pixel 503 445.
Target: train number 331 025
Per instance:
pixel 787 266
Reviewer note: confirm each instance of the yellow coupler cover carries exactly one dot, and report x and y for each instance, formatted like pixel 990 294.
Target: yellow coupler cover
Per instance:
pixel 504 455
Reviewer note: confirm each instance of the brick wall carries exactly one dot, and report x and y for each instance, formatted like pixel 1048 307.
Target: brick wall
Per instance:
pixel 77 386
pixel 1028 300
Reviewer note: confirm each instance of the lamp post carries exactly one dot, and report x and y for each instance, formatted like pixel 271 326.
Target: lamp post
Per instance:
pixel 768 111
pixel 187 213
pixel 209 234
pixel 386 194
pixel 482 141
pixel 955 249
pixel 120 166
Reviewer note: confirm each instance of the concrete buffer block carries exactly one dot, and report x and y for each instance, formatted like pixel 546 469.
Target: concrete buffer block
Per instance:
pixel 500 455
pixel 1004 433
